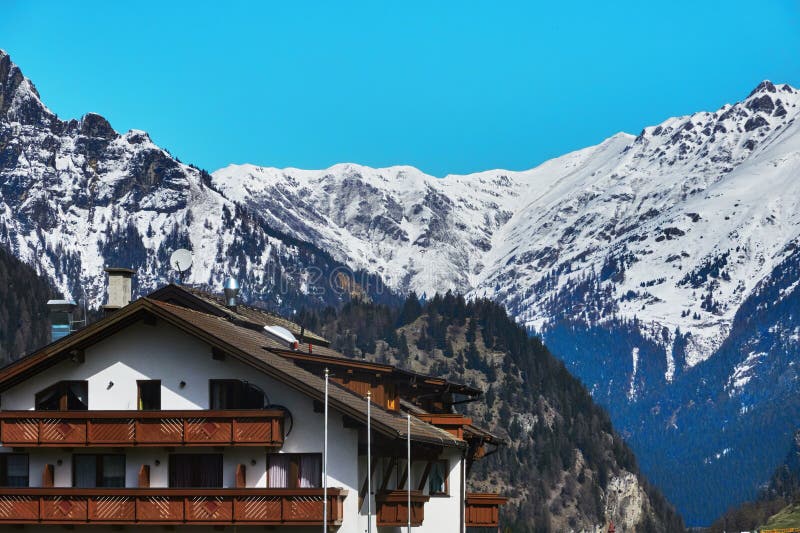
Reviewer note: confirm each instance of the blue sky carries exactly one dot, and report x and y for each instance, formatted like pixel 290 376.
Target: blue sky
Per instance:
pixel 447 87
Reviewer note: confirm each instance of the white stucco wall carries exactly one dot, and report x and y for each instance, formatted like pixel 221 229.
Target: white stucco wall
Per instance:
pixel 166 353
pixel 163 352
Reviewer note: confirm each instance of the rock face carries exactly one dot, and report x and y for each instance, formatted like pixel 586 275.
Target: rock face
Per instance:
pixel 626 502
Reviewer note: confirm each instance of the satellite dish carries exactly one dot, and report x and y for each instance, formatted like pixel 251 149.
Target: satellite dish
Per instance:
pixel 181 261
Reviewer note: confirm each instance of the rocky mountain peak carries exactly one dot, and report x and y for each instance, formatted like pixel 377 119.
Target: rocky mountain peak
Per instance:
pixel 94 125
pixel 765 86
pixel 19 99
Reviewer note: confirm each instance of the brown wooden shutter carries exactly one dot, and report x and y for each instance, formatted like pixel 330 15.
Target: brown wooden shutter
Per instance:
pixel 144 477
pixel 241 476
pixel 48 476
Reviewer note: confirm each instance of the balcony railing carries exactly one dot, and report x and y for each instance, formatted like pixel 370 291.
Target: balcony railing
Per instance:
pixel 483 510
pixel 141 428
pixel 392 508
pixel 294 507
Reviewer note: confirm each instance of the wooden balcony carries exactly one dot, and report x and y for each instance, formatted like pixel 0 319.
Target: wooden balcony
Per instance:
pixel 452 423
pixel 141 428
pixel 268 507
pixel 392 508
pixel 483 510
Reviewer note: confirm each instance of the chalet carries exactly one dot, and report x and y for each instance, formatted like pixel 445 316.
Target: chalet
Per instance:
pixel 188 410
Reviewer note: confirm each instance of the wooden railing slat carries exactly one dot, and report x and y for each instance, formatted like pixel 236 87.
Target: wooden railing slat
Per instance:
pixel 141 428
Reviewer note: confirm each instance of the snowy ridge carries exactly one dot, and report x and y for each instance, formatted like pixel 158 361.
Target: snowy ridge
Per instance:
pixel 693 212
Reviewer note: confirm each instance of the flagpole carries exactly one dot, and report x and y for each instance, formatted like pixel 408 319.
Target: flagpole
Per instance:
pixel 325 462
pixel 408 467
pixel 369 462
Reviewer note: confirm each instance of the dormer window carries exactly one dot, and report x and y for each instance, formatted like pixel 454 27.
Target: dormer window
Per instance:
pixel 64 396
pixel 235 394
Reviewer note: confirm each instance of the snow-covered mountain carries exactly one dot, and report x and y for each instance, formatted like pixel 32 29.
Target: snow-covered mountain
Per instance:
pixel 662 268
pixel 76 196
pixel 680 223
pixel 638 259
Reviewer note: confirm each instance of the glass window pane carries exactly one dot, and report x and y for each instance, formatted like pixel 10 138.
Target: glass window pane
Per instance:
pixel 48 399
pixel 113 471
pixel 436 480
pixel 77 396
pixel 223 394
pixel 85 473
pixel 310 471
pixel 278 471
pixel 17 470
pixel 254 397
pixel 149 395
pixel 195 470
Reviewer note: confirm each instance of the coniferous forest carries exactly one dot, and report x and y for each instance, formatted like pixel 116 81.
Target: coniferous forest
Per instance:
pixel 563 454
pixel 23 309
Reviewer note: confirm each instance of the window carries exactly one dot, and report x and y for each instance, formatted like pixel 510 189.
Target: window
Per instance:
pixel 294 470
pixel 13 470
pixel 64 396
pixel 149 394
pixel 390 392
pixel 195 470
pixel 437 479
pixel 235 394
pixel 98 470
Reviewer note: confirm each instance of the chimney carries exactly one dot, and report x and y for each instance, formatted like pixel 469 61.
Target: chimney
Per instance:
pixel 231 290
pixel 119 288
pixel 60 318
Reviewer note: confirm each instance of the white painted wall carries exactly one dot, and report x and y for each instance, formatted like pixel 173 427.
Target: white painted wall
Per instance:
pixel 166 353
pixel 163 352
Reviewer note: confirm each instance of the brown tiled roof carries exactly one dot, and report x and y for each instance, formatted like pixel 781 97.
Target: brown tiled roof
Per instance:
pixel 321 349
pixel 246 313
pixel 257 346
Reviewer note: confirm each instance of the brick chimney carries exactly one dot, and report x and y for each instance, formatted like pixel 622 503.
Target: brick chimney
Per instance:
pixel 119 288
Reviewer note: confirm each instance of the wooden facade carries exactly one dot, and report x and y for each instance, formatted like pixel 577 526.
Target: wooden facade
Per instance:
pixel 452 423
pixel 141 428
pixel 392 508
pixel 483 510
pixel 70 506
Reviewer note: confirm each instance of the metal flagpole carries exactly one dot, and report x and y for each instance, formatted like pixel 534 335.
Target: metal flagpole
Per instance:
pixel 408 467
pixel 325 462
pixel 369 462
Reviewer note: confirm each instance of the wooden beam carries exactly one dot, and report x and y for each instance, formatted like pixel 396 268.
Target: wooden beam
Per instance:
pixel 387 474
pixel 363 492
pixel 425 473
pixel 402 481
